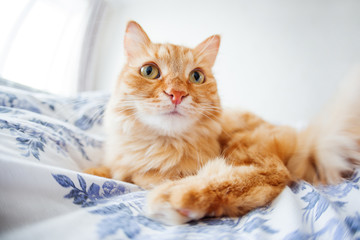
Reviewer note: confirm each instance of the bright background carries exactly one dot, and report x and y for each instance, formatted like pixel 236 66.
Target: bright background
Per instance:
pixel 280 59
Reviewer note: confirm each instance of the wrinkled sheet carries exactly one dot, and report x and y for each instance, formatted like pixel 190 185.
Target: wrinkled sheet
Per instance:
pixel 45 143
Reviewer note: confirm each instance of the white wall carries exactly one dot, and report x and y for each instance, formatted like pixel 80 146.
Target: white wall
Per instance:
pixel 281 59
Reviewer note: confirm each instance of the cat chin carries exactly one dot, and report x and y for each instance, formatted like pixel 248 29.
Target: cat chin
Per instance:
pixel 168 124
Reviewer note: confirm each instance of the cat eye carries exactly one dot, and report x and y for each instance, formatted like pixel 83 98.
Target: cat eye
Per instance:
pixel 150 71
pixel 197 77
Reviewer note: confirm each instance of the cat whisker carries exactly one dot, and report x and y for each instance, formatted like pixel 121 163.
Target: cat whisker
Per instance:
pixel 123 118
pixel 207 116
pixel 123 110
pixel 209 104
pixel 204 111
pixel 133 102
pixel 217 118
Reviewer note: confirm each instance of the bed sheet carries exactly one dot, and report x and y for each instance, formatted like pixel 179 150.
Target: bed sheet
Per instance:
pixel 45 143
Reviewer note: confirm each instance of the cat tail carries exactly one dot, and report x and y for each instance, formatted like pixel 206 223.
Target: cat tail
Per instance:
pixel 328 150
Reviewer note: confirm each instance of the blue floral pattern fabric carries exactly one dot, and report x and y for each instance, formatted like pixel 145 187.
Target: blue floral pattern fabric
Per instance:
pixel 45 143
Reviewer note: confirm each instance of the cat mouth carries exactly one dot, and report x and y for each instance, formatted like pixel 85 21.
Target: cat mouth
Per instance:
pixel 174 112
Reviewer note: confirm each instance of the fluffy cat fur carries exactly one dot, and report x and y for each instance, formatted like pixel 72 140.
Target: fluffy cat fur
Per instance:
pixel 200 160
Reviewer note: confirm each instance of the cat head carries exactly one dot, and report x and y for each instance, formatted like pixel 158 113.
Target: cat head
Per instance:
pixel 168 88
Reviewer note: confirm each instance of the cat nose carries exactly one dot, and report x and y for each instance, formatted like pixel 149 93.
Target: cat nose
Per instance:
pixel 176 96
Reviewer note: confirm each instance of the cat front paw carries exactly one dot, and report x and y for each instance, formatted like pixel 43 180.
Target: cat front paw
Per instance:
pixel 177 202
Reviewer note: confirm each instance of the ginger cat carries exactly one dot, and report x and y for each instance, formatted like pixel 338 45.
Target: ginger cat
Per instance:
pixel 166 130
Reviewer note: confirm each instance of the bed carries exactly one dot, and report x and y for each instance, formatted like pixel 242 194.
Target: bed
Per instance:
pixel 45 143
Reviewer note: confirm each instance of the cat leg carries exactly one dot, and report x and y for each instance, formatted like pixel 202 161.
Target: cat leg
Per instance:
pixel 218 189
pixel 101 171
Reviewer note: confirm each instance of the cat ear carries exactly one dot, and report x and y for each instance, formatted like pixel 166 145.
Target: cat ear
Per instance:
pixel 135 39
pixel 208 49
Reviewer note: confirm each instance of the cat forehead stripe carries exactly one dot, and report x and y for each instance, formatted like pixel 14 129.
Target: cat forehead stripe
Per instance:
pixel 177 58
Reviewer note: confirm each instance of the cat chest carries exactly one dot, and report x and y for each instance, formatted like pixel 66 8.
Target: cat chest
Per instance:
pixel 165 156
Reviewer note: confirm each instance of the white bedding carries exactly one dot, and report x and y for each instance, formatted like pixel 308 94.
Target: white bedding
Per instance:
pixel 45 143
